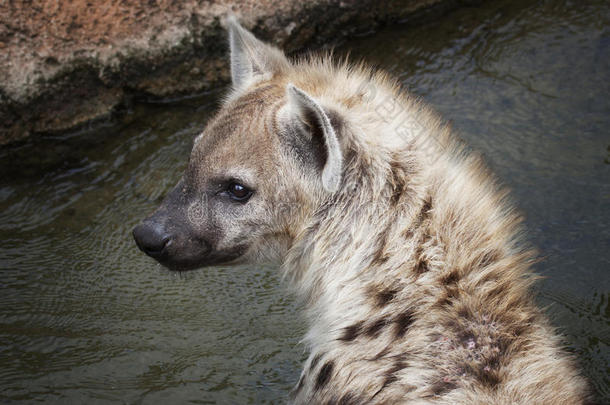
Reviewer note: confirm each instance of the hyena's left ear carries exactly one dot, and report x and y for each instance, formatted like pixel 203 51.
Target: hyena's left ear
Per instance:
pixel 251 59
pixel 316 126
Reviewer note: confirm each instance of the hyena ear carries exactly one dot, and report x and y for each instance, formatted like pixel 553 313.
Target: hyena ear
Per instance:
pixel 324 142
pixel 251 59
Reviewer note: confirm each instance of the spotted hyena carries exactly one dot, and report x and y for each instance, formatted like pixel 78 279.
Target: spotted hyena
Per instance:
pixel 400 243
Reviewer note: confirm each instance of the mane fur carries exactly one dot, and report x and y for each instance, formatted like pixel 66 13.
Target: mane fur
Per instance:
pixel 419 257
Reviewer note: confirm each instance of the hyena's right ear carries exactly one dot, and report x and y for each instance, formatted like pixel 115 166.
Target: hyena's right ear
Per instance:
pixel 316 135
pixel 251 59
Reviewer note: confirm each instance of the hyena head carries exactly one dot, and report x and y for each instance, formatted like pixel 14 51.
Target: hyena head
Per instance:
pixel 258 170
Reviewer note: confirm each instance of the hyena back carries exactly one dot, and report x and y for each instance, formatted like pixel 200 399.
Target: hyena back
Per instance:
pixel 405 252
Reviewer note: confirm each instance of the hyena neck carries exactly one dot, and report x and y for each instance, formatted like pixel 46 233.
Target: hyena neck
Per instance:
pixel 404 236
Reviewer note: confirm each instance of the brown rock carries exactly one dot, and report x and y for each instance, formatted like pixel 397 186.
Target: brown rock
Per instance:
pixel 64 63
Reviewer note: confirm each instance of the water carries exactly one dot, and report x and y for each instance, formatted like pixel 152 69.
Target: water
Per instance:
pixel 85 317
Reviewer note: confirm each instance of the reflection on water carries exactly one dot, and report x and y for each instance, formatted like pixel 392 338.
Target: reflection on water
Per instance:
pixel 84 316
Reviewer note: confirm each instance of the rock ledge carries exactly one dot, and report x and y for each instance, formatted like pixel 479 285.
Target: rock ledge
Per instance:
pixel 65 63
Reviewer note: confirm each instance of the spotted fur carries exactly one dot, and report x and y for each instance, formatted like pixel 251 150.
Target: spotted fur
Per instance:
pixel 416 282
pixel 404 250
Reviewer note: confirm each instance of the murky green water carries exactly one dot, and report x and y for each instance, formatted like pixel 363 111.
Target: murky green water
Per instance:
pixel 85 317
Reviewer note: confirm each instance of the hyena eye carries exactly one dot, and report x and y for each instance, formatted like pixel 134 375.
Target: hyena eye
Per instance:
pixel 238 192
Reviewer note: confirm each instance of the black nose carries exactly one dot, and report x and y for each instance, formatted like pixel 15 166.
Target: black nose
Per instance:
pixel 151 239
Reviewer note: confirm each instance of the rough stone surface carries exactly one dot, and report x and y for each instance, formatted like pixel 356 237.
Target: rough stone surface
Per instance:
pixel 66 62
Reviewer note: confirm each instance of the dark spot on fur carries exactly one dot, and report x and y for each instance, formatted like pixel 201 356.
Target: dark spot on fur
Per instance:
pixel 384 297
pixel 351 332
pixel 467 338
pixel 424 212
pixel 452 292
pixel 324 374
pixel 421 267
pixel 397 183
pixel 403 321
pixel 374 329
pixel 421 217
pixel 465 312
pixel 348 398
pixel 486 375
pixel 422 264
pixel 396 195
pixel 503 343
pixel 426 207
pixel 442 387
pixel 493 361
pixel 398 365
pixel 488 378
pixel 315 361
pixel 521 328
pixel 451 278
pixel 453 324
